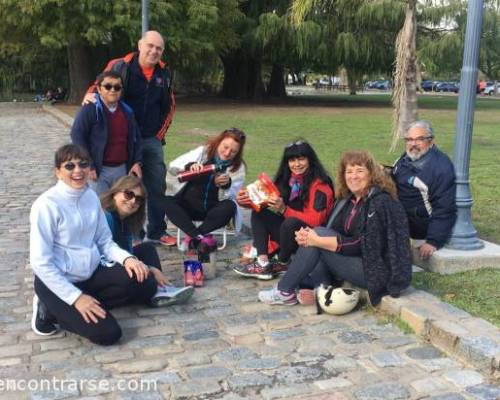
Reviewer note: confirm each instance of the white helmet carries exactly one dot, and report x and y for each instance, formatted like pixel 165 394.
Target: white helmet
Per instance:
pixel 336 301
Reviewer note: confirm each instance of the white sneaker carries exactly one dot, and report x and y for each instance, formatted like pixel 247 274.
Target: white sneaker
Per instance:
pixel 275 296
pixel 168 295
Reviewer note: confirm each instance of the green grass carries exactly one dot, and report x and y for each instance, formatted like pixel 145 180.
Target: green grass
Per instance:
pixel 474 291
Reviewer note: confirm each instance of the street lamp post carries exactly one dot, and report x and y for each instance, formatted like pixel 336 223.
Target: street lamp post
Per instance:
pixel 464 236
pixel 145 17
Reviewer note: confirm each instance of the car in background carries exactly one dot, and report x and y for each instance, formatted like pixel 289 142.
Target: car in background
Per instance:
pixel 380 84
pixel 428 86
pixel 447 87
pixel 491 88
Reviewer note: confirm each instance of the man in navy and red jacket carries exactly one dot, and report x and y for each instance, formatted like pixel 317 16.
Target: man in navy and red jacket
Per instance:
pixel 425 178
pixel 147 89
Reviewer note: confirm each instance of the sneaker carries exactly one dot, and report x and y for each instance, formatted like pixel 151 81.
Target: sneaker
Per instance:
pixel 254 270
pixel 41 321
pixel 169 295
pixel 306 297
pixel 275 296
pixel 279 267
pixel 168 240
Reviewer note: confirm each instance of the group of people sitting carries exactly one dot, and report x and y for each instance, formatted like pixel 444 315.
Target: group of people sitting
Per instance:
pixel 86 261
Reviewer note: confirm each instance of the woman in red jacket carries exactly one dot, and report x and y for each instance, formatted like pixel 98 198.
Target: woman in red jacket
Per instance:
pixel 306 201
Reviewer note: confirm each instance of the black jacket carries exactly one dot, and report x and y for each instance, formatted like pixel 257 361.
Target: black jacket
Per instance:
pixel 385 245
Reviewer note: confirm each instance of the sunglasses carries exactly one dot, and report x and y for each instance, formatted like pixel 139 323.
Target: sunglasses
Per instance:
pixel 70 166
pixel 129 195
pixel 109 86
pixel 237 132
pixel 297 143
pixel 419 139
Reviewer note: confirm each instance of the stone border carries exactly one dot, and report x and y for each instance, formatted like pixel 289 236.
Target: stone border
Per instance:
pixel 472 340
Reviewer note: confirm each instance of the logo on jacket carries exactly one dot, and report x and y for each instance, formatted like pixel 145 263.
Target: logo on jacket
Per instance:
pixel 159 81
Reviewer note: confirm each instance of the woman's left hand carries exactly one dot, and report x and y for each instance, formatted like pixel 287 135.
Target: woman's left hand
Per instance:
pixel 221 179
pixel 277 204
pixel 133 265
pixel 306 237
pixel 160 279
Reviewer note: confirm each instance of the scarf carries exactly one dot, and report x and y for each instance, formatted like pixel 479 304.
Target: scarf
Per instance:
pixel 295 184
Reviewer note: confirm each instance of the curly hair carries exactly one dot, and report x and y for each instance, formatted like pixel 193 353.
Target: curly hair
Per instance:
pixel 378 177
pixel 136 220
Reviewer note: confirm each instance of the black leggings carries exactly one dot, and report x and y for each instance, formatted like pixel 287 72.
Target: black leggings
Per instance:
pixel 181 216
pixel 146 252
pixel 112 287
pixel 282 230
pixel 313 266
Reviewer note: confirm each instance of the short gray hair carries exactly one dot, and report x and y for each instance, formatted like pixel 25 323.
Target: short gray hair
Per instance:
pixel 421 124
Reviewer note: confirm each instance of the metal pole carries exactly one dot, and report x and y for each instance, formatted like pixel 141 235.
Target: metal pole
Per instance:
pixel 464 236
pixel 145 17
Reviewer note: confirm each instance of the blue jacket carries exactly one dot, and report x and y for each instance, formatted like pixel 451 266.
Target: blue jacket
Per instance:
pixel 119 230
pixel 427 190
pixel 90 130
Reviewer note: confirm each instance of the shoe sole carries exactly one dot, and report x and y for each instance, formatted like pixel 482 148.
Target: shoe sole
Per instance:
pixel 33 320
pixel 262 277
pixel 180 298
pixel 280 303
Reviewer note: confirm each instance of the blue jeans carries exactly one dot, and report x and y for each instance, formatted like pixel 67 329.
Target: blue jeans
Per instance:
pixel 154 171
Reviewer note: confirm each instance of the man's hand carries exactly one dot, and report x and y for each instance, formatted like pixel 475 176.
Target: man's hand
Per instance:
pixel 89 308
pixel 93 175
pixel 89 98
pixel 426 251
pixel 136 170
pixel 133 265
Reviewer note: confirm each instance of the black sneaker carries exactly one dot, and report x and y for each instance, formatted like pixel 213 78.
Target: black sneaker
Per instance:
pixel 42 322
pixel 279 267
pixel 255 270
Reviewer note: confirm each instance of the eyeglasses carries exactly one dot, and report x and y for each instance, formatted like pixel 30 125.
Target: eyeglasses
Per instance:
pixel 129 195
pixel 109 86
pixel 419 139
pixel 237 132
pixel 70 166
pixel 297 143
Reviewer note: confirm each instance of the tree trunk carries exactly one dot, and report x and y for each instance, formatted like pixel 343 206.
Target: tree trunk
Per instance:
pixel 80 71
pixel 242 77
pixel 404 96
pixel 276 86
pixel 352 80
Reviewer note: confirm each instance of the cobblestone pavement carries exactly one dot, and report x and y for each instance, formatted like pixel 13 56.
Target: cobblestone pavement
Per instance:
pixel 223 344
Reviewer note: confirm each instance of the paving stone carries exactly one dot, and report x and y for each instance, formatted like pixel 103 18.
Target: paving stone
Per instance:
pixel 463 378
pixel 383 391
pixel 276 316
pixel 448 396
pixel 260 363
pixel 396 341
pixel 208 372
pixel 189 359
pixel 341 363
pixel 234 354
pixel 16 350
pixel 333 383
pixel 158 330
pixel 281 391
pixel 355 337
pixel 113 357
pixel 429 385
pixel 478 350
pixel 54 394
pixel 138 366
pixel 424 353
pixel 484 392
pixel 387 359
pixel 237 382
pixel 297 374
pixel 89 373
pixel 155 341
pixel 436 364
pixel 286 334
pixel 201 335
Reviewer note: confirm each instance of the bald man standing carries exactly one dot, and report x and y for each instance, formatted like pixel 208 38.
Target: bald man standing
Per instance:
pixel 147 90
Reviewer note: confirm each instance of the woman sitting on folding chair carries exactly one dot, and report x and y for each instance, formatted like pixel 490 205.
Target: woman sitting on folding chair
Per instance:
pixel 206 196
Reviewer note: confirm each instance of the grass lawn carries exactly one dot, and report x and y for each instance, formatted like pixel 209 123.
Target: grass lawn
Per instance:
pixel 333 124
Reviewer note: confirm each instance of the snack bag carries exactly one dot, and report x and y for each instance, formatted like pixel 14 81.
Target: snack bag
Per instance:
pixel 261 191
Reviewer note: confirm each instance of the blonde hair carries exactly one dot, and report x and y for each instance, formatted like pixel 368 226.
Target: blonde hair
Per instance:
pixel 377 175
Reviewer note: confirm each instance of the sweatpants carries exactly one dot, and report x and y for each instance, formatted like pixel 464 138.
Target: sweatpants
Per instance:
pixel 183 216
pixel 112 287
pixel 313 266
pixel 281 230
pixel 146 252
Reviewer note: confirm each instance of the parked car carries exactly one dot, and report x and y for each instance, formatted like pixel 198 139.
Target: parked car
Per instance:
pixel 383 85
pixel 447 87
pixel 490 88
pixel 428 86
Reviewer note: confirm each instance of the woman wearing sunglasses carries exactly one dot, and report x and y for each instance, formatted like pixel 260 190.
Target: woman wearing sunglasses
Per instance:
pixel 306 200
pixel 108 131
pixel 125 209
pixel 209 198
pixel 68 238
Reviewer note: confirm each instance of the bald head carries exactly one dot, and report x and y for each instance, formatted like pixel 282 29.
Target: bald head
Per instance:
pixel 151 47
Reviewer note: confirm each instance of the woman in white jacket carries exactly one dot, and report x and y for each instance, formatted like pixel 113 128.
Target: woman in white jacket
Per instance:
pixel 208 198
pixel 69 236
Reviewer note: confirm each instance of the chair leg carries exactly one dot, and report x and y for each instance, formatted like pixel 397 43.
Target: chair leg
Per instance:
pixel 224 240
pixel 178 239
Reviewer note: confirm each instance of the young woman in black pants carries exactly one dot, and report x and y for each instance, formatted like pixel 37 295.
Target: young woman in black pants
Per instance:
pixel 306 199
pixel 208 198
pixel 365 241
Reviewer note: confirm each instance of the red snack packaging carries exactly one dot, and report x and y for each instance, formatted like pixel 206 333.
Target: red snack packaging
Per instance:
pixel 261 191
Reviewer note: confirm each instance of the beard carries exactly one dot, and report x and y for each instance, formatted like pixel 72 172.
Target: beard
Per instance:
pixel 415 154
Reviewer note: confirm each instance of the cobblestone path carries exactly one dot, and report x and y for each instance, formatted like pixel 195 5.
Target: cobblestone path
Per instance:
pixel 223 344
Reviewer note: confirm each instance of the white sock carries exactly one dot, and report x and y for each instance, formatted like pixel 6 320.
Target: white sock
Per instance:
pixel 262 263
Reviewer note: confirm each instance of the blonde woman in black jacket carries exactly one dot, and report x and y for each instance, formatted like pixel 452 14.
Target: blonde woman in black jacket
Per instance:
pixel 365 241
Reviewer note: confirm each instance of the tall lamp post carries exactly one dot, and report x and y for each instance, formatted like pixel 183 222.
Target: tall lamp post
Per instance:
pixel 145 16
pixel 464 236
